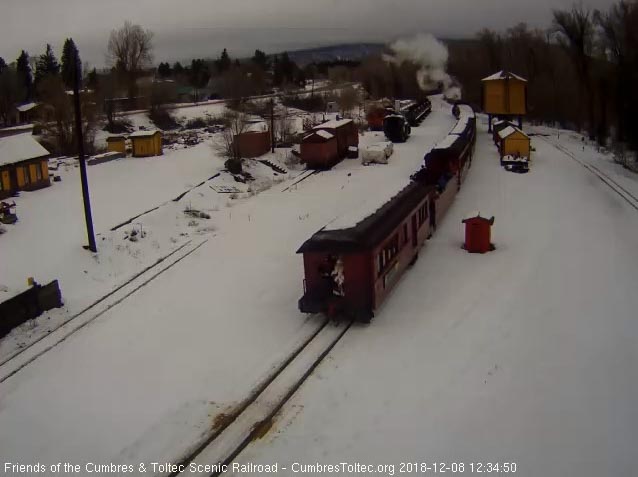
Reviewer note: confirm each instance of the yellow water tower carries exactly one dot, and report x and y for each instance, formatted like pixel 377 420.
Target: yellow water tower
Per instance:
pixel 504 95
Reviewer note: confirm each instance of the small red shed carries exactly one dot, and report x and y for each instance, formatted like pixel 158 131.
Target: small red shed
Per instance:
pixel 478 233
pixel 319 150
pixel 345 130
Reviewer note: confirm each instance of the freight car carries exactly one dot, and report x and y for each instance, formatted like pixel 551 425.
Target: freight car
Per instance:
pixel 417 111
pixel 396 127
pixel 349 272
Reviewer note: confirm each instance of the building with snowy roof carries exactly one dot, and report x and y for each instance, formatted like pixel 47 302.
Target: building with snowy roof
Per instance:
pixel 319 149
pixel 116 143
pixel 24 164
pixel 345 130
pixel 513 142
pixel 504 95
pixel 146 143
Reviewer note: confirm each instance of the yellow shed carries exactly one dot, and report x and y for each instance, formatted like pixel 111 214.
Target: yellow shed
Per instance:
pixel 504 94
pixel 514 142
pixel 116 144
pixel 24 164
pixel 146 143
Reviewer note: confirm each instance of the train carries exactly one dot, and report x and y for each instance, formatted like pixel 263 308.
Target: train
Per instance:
pixel 349 272
pixel 400 118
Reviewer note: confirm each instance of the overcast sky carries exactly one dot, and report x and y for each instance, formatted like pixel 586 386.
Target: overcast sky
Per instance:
pixel 202 28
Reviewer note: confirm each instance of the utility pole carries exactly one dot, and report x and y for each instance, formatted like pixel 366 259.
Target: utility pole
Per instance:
pixel 272 125
pixel 85 184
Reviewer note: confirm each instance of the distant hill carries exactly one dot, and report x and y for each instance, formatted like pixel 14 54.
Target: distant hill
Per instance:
pixel 350 51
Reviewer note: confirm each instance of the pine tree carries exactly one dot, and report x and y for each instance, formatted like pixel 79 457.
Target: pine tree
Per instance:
pixel 3 65
pixel 178 69
pixel 70 54
pixel 223 63
pixel 164 70
pixel 261 60
pixel 25 78
pixel 46 65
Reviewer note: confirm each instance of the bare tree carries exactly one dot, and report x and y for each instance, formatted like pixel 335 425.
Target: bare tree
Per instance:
pixel 348 99
pixel 130 50
pixel 59 119
pixel 283 125
pixel 576 33
pixel 226 145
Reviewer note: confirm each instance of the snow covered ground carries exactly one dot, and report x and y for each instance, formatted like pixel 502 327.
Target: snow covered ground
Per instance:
pixel 524 355
pixel 47 241
pixel 158 369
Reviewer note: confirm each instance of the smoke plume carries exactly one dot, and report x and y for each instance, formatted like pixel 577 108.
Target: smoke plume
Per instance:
pixel 430 56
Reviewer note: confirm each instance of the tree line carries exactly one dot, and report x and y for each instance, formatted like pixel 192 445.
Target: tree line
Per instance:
pixel 580 70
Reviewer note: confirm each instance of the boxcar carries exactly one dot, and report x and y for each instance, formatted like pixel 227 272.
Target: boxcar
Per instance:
pixel 349 272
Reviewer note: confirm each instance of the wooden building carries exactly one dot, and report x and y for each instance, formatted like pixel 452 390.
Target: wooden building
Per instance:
pixel 255 140
pixel 319 150
pixel 513 142
pixel 24 164
pixel 478 232
pixel 116 143
pixel 345 130
pixel 146 143
pixel 505 96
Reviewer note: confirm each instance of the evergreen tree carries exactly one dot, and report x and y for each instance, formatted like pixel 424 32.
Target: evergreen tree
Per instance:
pixel 91 79
pixel 46 65
pixel 199 76
pixel 164 70
pixel 25 78
pixel 70 54
pixel 178 69
pixel 3 65
pixel 261 60
pixel 223 63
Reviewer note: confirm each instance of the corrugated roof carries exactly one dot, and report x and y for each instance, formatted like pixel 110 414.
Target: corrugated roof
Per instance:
pixel 20 147
pixel 503 75
pixel 144 133
pixel 508 131
pixel 333 124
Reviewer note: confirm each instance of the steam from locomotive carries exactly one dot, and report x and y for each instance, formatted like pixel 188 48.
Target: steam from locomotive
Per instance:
pixel 430 55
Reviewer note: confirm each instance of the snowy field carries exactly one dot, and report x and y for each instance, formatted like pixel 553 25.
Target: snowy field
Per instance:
pixel 523 355
pixel 47 241
pixel 157 370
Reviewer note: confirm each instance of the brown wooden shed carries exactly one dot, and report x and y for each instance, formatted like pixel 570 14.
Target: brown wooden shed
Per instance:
pixel 116 143
pixel 253 143
pixel 345 131
pixel 319 150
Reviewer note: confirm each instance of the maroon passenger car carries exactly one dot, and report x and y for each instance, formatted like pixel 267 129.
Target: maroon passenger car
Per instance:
pixel 349 272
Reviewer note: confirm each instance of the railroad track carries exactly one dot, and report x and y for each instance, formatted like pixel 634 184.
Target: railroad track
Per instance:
pixel 25 356
pixel 625 194
pixel 255 415
pixel 305 175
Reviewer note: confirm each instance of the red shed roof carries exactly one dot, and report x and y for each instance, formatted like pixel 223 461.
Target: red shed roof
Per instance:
pixel 476 216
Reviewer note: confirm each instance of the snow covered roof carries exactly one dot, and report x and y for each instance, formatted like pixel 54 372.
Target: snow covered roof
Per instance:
pixel 477 215
pixel 333 124
pixel 256 126
pixel 144 133
pixel 20 147
pixel 447 142
pixel 508 131
pixel 321 133
pixel 503 75
pixel 359 231
pixel 26 107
